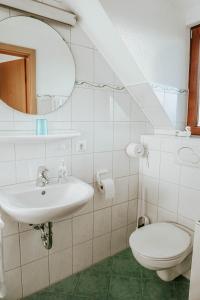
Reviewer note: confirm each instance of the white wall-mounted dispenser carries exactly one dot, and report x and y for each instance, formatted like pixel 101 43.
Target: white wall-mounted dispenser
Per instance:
pixel 62 172
pixel 105 184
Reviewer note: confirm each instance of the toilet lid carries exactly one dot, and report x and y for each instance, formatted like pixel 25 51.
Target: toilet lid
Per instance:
pixel 160 241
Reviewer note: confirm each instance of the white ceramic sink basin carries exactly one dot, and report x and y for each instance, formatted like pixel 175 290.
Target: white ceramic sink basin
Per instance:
pixel 30 204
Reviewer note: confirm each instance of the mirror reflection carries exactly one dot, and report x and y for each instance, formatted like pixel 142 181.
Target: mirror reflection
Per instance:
pixel 37 71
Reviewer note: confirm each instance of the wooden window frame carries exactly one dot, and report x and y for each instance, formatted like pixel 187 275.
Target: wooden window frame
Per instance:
pixel 194 81
pixel 30 65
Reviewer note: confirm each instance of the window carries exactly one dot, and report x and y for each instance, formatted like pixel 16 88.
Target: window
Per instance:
pixel 194 82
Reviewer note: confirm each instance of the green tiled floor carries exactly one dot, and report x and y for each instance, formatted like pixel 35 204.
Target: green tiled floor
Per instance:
pixel 117 278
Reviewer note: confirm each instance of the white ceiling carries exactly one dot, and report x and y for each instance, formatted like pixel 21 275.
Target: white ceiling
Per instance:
pixel 186 4
pixel 182 4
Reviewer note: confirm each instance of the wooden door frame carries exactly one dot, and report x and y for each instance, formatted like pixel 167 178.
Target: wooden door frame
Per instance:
pixel 194 76
pixel 30 66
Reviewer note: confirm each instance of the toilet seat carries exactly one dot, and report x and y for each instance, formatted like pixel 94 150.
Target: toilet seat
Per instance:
pixel 161 245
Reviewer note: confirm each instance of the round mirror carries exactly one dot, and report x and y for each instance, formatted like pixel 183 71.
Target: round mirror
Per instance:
pixel 37 70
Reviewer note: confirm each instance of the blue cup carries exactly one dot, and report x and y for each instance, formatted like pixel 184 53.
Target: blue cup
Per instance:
pixel 41 127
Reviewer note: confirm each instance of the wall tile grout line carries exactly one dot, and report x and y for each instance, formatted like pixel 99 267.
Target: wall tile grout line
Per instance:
pixel 106 113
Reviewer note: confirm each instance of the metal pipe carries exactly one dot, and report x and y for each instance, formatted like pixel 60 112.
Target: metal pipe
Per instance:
pixel 46 233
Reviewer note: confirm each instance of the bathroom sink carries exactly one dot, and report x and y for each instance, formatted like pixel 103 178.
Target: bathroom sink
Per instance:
pixel 28 203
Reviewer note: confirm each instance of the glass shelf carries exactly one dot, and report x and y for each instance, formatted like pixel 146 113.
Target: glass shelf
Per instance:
pixel 12 137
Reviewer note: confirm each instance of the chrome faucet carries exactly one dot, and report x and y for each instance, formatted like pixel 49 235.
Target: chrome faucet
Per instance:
pixel 42 176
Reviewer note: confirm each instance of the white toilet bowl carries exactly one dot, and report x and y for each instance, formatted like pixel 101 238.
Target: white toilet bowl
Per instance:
pixel 163 247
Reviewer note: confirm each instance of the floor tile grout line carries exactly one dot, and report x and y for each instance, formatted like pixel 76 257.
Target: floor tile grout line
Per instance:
pixel 122 256
pixel 77 283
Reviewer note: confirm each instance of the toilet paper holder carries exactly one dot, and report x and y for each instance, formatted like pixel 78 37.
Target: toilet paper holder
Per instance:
pixel 99 175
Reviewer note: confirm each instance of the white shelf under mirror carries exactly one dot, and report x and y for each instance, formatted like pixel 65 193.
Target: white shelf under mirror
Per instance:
pixel 17 137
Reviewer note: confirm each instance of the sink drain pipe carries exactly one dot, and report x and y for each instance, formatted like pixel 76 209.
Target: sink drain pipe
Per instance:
pixel 46 233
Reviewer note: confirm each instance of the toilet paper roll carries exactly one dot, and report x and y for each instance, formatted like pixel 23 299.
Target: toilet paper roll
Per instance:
pixel 135 150
pixel 108 188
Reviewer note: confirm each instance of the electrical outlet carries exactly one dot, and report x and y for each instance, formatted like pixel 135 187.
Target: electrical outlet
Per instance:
pixel 81 146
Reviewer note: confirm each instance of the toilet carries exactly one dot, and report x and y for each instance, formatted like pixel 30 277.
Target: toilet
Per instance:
pixel 163 247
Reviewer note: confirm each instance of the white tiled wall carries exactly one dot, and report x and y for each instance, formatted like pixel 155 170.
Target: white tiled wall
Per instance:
pixel 171 189
pixel 174 103
pixel 107 121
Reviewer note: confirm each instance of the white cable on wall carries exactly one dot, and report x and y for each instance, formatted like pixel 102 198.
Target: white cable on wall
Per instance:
pixel 96 85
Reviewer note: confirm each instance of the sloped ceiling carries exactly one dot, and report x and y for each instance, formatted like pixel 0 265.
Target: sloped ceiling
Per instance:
pixel 110 25
pixel 190 10
pixel 184 5
pixel 154 33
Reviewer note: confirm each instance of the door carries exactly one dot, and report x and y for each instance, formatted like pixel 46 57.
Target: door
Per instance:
pixel 195 278
pixel 13 84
